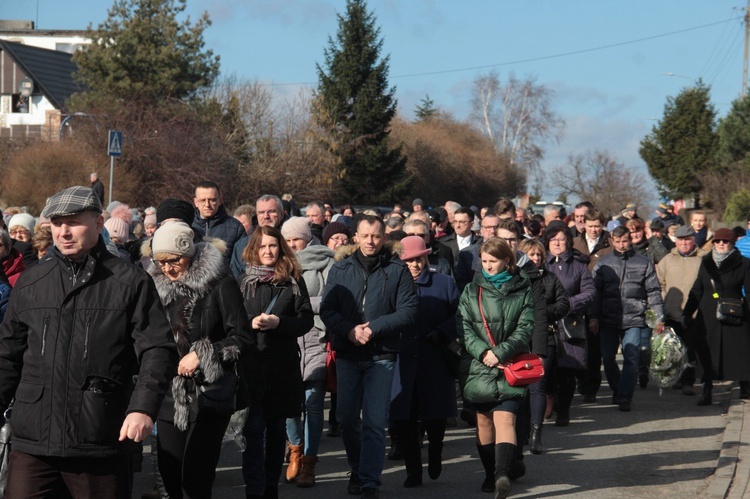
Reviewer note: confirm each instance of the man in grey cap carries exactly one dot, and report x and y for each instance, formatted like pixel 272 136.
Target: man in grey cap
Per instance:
pixel 88 354
pixel 677 272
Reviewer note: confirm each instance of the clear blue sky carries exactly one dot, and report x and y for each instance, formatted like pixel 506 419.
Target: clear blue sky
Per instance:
pixel 608 97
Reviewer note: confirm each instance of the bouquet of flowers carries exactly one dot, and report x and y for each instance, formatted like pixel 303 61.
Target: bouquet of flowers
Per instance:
pixel 668 358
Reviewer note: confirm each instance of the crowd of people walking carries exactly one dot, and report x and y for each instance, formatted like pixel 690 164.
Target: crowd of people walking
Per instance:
pixel 186 323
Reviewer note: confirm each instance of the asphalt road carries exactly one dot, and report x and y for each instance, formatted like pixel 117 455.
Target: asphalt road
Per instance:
pixel 666 447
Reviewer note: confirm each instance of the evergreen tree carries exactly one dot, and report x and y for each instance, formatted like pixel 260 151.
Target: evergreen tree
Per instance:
pixel 355 106
pixel 142 52
pixel 734 136
pixel 682 147
pixel 425 109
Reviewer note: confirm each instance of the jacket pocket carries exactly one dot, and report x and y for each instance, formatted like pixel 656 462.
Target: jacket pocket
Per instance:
pixel 27 411
pixel 103 406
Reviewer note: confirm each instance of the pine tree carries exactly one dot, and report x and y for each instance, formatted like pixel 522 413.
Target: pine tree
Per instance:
pixel 682 147
pixel 355 106
pixel 425 109
pixel 141 51
pixel 734 136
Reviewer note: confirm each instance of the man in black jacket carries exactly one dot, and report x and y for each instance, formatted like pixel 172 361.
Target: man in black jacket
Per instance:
pixel 211 217
pixel 88 354
pixel 369 300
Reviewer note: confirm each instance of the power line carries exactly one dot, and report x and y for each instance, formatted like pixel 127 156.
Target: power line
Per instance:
pixel 541 58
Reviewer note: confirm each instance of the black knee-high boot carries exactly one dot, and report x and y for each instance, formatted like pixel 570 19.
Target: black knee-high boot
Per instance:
pixel 487 456
pixel 505 453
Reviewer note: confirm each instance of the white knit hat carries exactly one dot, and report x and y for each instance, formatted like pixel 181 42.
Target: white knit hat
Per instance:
pixel 175 238
pixel 117 228
pixel 24 220
pixel 297 228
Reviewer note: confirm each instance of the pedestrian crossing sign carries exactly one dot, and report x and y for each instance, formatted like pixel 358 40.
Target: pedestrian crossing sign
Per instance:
pixel 115 143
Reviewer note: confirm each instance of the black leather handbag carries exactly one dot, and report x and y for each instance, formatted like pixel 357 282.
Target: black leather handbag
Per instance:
pixel 729 311
pixel 219 396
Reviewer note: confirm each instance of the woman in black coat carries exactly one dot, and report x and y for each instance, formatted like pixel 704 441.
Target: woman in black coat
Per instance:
pixel 278 305
pixel 722 350
pixel 558 307
pixel 423 386
pixel 571 354
pixel 205 310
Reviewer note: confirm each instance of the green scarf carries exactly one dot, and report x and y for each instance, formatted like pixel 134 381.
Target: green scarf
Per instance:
pixel 498 279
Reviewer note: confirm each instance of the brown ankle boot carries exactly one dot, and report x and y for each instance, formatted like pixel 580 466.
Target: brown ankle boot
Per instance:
pixel 306 476
pixel 295 456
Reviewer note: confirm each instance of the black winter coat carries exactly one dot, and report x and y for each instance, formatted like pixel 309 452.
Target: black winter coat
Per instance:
pixel 71 347
pixel 556 300
pixel 216 311
pixel 272 376
pixel 386 298
pixel 221 226
pixel 729 345
pixel 627 286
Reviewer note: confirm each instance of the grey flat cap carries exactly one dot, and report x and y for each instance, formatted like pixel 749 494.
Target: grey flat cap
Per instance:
pixel 684 231
pixel 71 201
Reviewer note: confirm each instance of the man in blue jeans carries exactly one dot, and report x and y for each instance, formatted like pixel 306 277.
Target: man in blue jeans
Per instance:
pixel 369 300
pixel 627 286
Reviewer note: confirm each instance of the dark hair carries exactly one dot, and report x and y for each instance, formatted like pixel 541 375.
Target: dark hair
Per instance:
pixel 739 231
pixel 504 205
pixel 500 249
pixel 466 211
pixel 286 266
pixel 510 225
pixel 208 184
pixel 533 227
pixel 370 219
pixel 585 204
pixel 595 216
pixel 345 207
pixel 620 231
pixel 554 229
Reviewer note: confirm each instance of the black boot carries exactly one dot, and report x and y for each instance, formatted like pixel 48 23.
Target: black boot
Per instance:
pixel 536 438
pixel 487 456
pixel 505 454
pixel 705 397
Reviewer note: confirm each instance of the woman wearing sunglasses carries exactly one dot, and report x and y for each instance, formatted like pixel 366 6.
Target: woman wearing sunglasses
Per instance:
pixel 205 310
pixel 723 274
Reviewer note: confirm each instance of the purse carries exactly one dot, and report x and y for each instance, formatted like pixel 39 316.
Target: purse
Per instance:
pixel 729 311
pixel 574 327
pixel 525 368
pixel 221 395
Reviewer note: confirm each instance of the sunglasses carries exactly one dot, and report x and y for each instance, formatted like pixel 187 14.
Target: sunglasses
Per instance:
pixel 722 241
pixel 174 262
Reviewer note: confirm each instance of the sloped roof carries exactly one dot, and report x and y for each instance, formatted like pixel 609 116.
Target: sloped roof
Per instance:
pixel 51 70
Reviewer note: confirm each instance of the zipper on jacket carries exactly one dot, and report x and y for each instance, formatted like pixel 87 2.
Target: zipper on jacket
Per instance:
pixel 44 334
pixel 86 338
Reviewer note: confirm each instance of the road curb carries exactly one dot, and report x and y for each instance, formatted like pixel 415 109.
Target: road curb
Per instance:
pixel 729 466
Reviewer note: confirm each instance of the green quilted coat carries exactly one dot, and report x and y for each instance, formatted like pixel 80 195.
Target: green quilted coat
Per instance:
pixel 509 311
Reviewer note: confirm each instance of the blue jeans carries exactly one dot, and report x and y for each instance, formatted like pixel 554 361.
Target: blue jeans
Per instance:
pixel 315 392
pixel 364 386
pixel 622 384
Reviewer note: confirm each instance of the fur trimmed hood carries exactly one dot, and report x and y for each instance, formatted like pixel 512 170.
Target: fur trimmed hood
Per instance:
pixel 394 247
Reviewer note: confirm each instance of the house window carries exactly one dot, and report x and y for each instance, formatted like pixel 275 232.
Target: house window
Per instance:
pixel 20 103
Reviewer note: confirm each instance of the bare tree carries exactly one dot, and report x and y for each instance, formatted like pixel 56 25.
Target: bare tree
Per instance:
pixel 517 116
pixel 598 177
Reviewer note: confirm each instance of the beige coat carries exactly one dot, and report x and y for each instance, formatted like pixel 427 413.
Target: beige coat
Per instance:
pixel 677 274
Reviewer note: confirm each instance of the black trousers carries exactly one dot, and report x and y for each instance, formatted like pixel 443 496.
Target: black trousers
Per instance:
pixel 42 477
pixel 590 379
pixel 188 459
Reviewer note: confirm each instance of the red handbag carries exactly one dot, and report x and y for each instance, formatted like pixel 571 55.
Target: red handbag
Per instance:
pixel 525 368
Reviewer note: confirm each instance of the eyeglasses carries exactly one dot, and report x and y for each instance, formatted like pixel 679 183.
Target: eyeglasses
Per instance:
pixel 558 241
pixel 721 241
pixel 174 262
pixel 207 201
pixel 19 232
pixel 267 212
pixel 492 227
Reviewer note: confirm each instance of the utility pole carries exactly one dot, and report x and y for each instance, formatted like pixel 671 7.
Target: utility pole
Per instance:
pixel 747 49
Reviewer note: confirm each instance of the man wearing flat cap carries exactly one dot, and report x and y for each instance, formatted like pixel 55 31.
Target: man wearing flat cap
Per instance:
pixel 87 353
pixel 677 272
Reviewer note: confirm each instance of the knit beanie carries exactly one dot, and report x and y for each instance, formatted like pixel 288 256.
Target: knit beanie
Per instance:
pixel 335 228
pixel 117 228
pixel 149 220
pixel 175 208
pixel 297 228
pixel 24 220
pixel 175 238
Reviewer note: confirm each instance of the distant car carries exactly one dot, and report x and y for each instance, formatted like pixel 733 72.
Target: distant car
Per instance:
pixel 539 206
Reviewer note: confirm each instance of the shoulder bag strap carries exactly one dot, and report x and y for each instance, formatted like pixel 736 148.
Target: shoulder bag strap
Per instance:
pixel 484 321
pixel 272 303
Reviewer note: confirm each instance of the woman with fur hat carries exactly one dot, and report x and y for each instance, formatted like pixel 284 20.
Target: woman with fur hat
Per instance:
pixel 424 388
pixel 279 308
pixel 205 310
pixel 316 261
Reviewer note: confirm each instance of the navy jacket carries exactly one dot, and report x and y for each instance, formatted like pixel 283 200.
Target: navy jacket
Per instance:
pixel 220 226
pixel 386 298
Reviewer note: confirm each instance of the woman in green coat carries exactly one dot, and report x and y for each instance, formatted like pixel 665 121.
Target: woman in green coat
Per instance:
pixel 500 297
